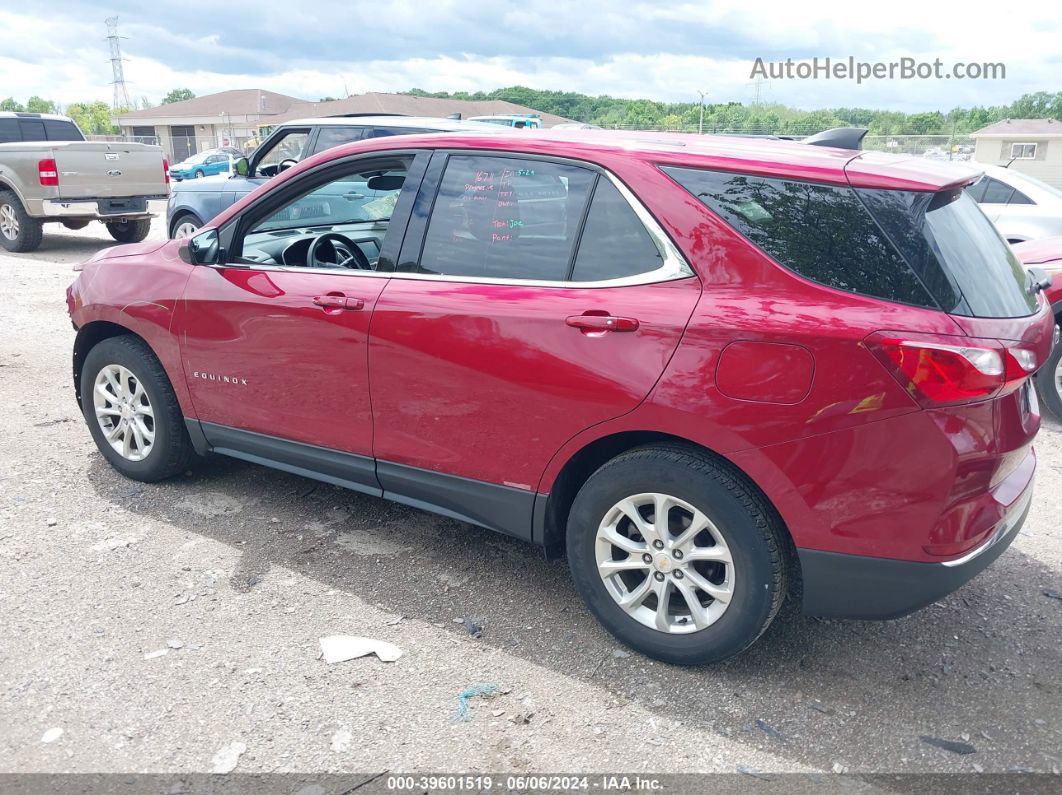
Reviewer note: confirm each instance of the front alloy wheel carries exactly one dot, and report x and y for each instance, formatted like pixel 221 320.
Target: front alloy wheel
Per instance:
pixel 124 412
pixel 665 563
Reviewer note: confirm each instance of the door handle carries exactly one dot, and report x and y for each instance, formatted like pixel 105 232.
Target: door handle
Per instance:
pixel 601 323
pixel 334 301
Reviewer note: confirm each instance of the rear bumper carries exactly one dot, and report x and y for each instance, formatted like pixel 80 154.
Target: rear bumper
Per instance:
pixel 863 587
pixel 92 208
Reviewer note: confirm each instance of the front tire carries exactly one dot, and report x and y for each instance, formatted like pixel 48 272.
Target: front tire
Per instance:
pixel 130 231
pixel 132 411
pixel 1049 382
pixel 19 232
pixel 184 225
pixel 198 175
pixel 698 588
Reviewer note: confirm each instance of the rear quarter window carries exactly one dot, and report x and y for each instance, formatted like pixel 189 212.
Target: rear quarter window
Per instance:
pixel 822 232
pixel 58 130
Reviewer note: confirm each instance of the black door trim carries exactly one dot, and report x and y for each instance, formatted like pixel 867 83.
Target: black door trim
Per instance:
pixel 348 470
pixel 505 509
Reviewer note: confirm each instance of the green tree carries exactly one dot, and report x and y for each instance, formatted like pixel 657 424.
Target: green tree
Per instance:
pixel 94 118
pixel 38 105
pixel 178 95
pixel 10 104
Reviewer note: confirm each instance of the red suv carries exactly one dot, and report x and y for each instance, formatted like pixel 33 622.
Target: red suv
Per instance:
pixel 710 370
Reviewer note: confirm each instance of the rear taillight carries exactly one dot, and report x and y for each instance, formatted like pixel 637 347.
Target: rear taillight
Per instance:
pixel 48 173
pixel 938 370
pixel 166 170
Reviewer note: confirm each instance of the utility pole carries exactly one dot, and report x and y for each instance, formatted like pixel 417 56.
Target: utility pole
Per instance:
pixel 700 124
pixel 121 93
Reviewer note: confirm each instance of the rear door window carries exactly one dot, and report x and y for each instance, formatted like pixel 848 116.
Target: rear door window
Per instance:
pixel 501 217
pixel 821 232
pixel 32 130
pixel 614 243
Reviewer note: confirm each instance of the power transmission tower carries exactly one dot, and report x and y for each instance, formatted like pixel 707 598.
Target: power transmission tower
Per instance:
pixel 121 93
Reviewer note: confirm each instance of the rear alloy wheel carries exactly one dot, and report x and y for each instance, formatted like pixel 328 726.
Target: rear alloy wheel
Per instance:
pixel 1049 382
pixel 18 231
pixel 129 231
pixel 676 554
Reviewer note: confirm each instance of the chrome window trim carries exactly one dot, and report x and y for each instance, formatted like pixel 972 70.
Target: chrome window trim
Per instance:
pixel 673 267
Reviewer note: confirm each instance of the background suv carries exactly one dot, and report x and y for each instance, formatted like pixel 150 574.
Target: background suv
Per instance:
pixel 191 205
pixel 707 369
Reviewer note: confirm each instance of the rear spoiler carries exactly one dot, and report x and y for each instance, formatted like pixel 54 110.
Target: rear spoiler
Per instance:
pixel 839 137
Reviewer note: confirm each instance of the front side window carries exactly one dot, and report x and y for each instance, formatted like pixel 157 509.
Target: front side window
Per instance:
pixel 288 148
pixel 821 232
pixel 501 217
pixel 340 224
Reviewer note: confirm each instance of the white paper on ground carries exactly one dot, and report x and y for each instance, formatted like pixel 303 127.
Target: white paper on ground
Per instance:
pixel 339 648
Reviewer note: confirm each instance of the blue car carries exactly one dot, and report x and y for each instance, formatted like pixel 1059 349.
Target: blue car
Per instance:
pixel 204 164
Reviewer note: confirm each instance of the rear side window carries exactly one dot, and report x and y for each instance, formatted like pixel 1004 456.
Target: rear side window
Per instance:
pixel 57 130
pixel 821 232
pixel 956 250
pixel 614 242
pixel 500 217
pixel 996 192
pixel 327 137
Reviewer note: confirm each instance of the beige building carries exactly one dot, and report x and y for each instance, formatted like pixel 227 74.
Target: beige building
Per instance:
pixel 1031 146
pixel 225 119
pixel 239 118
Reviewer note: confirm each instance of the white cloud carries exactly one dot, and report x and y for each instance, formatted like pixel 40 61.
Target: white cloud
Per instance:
pixel 664 52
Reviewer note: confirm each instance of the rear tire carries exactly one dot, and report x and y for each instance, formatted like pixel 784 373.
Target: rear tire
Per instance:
pixel 734 568
pixel 19 232
pixel 123 384
pixel 1049 383
pixel 130 231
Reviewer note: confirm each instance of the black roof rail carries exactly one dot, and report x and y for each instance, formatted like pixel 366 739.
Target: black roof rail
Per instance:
pixel 840 137
pixel 356 115
pixel 23 115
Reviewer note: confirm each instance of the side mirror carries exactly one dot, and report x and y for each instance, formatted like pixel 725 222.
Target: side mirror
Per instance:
pixel 1041 279
pixel 202 249
pixel 243 167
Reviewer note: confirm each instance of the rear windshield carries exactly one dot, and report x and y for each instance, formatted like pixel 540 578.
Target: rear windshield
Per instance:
pixel 934 250
pixel 956 251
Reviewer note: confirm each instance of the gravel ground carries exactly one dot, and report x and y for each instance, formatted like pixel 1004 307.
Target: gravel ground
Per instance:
pixel 174 627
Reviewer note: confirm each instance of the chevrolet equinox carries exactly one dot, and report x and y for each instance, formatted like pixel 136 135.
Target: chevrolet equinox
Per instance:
pixel 711 371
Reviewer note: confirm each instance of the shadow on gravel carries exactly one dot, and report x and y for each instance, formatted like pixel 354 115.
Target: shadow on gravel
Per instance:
pixel 986 659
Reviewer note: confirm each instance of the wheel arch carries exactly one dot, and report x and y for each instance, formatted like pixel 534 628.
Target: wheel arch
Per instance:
pixel 551 511
pixel 88 337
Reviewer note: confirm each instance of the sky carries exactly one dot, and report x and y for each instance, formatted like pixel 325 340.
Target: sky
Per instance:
pixel 662 51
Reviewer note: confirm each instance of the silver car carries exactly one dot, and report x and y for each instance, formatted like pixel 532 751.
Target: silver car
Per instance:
pixel 1022 207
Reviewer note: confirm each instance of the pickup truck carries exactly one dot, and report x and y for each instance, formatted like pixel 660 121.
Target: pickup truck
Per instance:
pixel 50 173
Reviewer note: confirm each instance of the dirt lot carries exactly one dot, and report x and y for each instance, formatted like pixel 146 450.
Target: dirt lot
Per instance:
pixel 175 627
